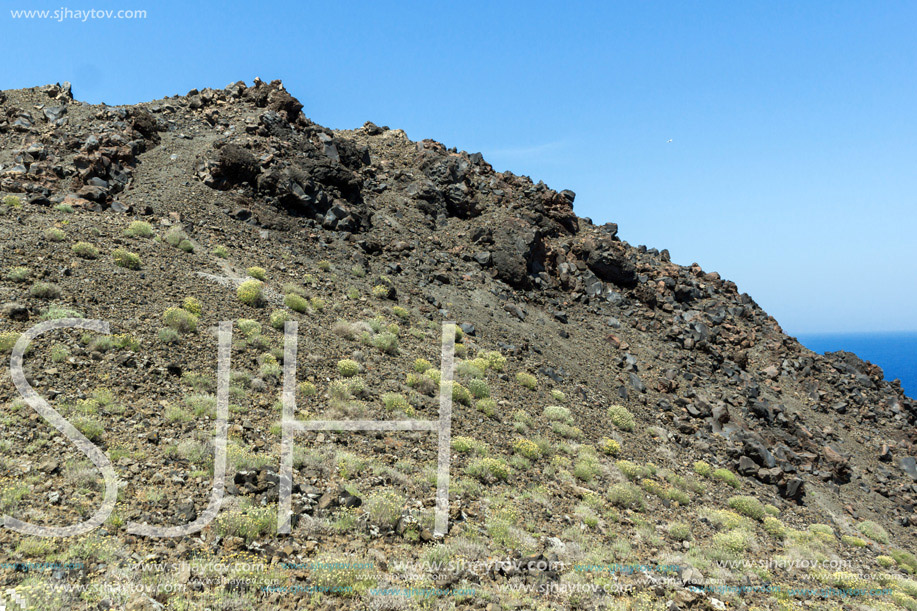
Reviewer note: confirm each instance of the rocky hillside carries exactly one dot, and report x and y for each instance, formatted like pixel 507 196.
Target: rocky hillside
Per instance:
pixel 613 409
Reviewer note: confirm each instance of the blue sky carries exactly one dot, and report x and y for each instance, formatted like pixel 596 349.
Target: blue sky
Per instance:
pixel 792 166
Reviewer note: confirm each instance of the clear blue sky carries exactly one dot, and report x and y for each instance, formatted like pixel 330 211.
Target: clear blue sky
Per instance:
pixel 793 163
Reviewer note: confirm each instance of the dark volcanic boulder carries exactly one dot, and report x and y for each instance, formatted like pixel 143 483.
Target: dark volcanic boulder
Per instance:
pixel 518 252
pixel 234 165
pixel 612 266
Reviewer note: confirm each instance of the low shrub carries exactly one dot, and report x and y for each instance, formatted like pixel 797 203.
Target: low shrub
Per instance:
pixel 45 290
pixel 250 292
pixel 126 259
pixel 873 531
pixel 18 274
pixel 621 417
pixel 85 250
pixel 192 305
pixel 55 235
pixel 626 496
pixel 180 320
pixel 610 446
pixel 747 506
pixel 296 302
pixel 527 448
pixel 679 531
pixel 139 229
pixel 488 407
pixel 348 368
pixel 557 413
pixel 258 273
pixel 526 380
pixel 395 402
pixel 774 527
pixel 489 470
pixel 279 318
pixel 727 477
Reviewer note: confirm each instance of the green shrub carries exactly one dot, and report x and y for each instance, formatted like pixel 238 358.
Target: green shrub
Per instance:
pixel 526 380
pixel 873 531
pixel 139 229
pixel 181 320
pixel 632 471
pixel 386 342
pixel 258 273
pixel 557 413
pixel 479 389
pixel 125 259
pixel 626 496
pixel 463 445
pixel 248 524
pixel 59 353
pixel 220 252
pixel 774 527
pixel 469 370
pixel 296 302
pixel 317 303
pixel 92 429
pixel 728 477
pixel 324 265
pixel 679 531
pixel 85 250
pixel 45 290
pixel 566 430
pixel 771 510
pixel 249 328
pixel 527 448
pixel 488 407
pixel 401 313
pixel 736 541
pixel 395 402
pixel 904 559
pixel 250 292
pixel 621 417
pixel 460 394
pixel 13 201
pixel 348 368
pixel 186 246
pixel 610 446
pixel 381 291
pixel 192 305
pixel 421 365
pixel 495 360
pixel 853 541
pixel 885 561
pixel 55 235
pixel 175 236
pixel 307 389
pixel 65 208
pixel 489 470
pixel 8 339
pixel 168 336
pixel 279 318
pixel 56 312
pixel 558 395
pixel 383 509
pixel 747 506
pixel 18 274
pixel 270 368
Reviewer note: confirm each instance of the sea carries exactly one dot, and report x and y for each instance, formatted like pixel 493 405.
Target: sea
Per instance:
pixel 895 353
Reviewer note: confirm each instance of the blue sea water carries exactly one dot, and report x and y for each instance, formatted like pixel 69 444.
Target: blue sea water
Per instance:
pixel 895 353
